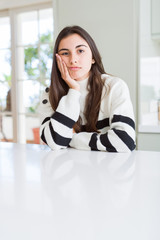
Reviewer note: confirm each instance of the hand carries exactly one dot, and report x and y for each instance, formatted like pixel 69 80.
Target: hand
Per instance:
pixel 65 74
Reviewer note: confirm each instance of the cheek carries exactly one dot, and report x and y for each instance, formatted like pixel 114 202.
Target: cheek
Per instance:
pixel 64 59
pixel 88 63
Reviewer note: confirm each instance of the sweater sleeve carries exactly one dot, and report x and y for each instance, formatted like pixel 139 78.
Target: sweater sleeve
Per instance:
pixel 56 128
pixel 120 137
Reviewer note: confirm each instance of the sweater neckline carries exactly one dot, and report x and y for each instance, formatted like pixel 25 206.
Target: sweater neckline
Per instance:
pixel 83 84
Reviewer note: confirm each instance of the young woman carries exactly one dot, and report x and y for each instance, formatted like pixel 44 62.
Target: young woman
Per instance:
pixel 84 107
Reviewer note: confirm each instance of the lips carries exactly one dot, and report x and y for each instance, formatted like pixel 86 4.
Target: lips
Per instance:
pixel 74 68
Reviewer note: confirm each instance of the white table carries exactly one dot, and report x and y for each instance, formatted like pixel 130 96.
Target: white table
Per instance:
pixel 78 195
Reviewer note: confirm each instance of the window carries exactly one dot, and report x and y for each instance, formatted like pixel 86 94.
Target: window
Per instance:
pixel 26 60
pixel 150 90
pixel 149 69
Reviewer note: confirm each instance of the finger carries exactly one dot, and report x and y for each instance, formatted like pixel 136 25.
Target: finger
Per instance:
pixel 58 61
pixel 67 77
pixel 65 69
pixel 60 64
pixel 65 74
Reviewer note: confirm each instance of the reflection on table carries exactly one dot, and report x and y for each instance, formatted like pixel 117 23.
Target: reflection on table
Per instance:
pixel 70 194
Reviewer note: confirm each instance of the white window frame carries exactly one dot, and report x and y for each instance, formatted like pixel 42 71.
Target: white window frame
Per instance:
pixel 12 14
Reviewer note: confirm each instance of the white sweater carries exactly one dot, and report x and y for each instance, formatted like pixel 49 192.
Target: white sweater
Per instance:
pixel 115 120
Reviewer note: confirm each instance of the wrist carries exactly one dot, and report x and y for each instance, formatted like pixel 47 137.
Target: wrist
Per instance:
pixel 76 88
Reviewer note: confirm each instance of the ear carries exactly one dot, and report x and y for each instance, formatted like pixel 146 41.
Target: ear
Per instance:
pixel 93 61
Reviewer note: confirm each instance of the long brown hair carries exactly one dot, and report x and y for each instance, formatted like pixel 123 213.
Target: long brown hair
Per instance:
pixel 59 88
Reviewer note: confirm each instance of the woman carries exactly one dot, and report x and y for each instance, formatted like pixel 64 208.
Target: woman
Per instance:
pixel 84 107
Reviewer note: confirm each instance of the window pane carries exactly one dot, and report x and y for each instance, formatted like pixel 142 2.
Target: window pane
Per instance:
pixel 5 99
pixel 5 78
pixel 150 90
pixel 6 128
pixel 5 39
pixel 32 126
pixel 31 63
pixel 46 53
pixel 28 63
pixel 30 91
pixel 46 25
pixel 44 83
pixel 27 28
pixel 5 64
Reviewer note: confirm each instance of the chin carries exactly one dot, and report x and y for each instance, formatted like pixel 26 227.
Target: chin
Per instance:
pixel 76 77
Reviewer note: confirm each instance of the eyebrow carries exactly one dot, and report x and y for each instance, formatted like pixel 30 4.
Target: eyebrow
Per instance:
pixel 81 45
pixel 65 49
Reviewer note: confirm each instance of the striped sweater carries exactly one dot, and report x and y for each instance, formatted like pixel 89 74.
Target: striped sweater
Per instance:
pixel 115 121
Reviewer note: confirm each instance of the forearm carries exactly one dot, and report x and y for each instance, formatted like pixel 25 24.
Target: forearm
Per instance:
pixel 120 138
pixel 57 130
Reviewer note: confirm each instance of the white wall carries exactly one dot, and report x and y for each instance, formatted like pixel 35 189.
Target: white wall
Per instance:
pixel 113 26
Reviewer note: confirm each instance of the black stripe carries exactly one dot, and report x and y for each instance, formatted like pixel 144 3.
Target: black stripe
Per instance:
pixel 93 142
pixel 127 120
pixel 102 123
pixel 43 137
pixel 99 125
pixel 58 139
pixel 63 119
pixel 105 141
pixel 46 119
pixel 125 138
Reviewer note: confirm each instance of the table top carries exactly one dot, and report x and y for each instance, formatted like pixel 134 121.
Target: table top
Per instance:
pixel 71 194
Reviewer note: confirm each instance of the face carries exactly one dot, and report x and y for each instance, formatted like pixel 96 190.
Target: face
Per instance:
pixel 77 55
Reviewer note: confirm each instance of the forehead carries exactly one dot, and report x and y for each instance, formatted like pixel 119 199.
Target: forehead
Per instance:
pixel 72 41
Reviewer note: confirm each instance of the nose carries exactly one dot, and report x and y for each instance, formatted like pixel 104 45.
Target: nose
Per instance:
pixel 73 59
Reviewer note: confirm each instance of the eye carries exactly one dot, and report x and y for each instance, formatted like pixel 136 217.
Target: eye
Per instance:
pixel 64 53
pixel 80 50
